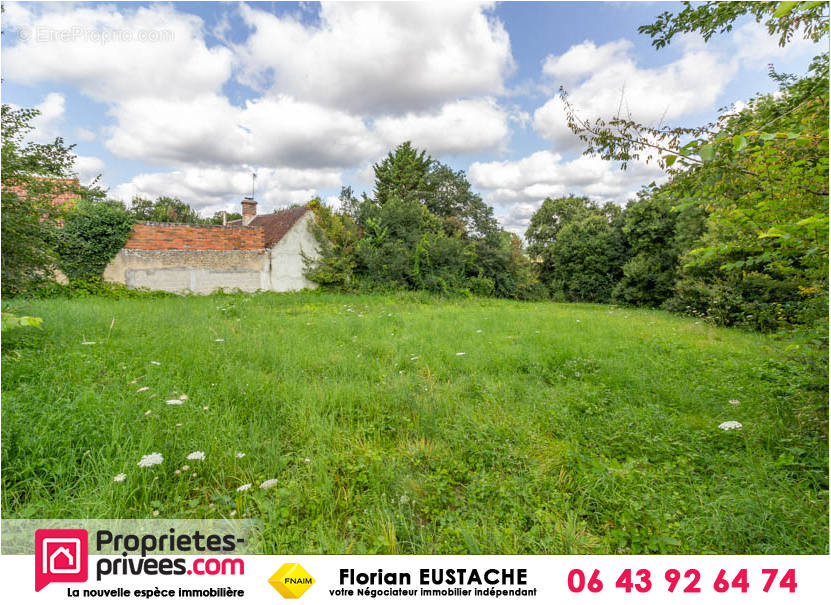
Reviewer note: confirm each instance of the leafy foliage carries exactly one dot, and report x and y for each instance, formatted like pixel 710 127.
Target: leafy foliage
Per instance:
pixel 10 320
pixel 783 19
pixel 93 233
pixel 658 231
pixel 33 176
pixel 758 175
pixel 423 229
pixel 166 209
pixel 579 246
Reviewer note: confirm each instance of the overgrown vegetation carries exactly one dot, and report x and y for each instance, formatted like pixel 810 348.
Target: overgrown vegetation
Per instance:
pixel 422 229
pixel 92 235
pixel 417 424
pixel 739 234
pixel 33 176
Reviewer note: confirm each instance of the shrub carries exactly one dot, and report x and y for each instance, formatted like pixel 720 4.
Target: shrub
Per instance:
pixel 94 232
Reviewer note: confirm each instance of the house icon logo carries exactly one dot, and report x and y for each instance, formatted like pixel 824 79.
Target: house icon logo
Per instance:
pixel 60 556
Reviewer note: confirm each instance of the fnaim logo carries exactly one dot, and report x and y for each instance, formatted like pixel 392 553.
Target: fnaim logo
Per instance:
pixel 60 556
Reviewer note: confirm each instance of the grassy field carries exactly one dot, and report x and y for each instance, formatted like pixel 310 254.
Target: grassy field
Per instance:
pixel 413 425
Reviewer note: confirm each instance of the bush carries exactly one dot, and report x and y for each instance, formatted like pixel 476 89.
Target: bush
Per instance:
pixel 93 286
pixel 93 234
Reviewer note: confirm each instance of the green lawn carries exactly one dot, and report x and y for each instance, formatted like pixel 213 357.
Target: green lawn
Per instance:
pixel 415 425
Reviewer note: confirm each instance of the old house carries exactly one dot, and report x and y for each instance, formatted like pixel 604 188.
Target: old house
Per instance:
pixel 259 252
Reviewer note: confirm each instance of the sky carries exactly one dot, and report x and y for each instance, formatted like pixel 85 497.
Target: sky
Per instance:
pixel 188 99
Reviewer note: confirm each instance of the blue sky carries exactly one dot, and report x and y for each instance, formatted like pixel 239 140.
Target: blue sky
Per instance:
pixel 187 99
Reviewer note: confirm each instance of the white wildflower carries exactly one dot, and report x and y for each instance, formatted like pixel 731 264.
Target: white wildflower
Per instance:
pixel 478 331
pixel 173 402
pixel 148 412
pixel 219 340
pixel 240 455
pixel 204 407
pixel 733 402
pixel 119 477
pixel 155 363
pixel 196 456
pixel 244 488
pixel 151 459
pixel 458 354
pixel 193 475
pixel 414 358
pixel 185 467
pixel 183 397
pixel 177 472
pixel 142 389
pixel 268 483
pixel 730 425
pixel 404 499
pixel 155 513
pixel 234 513
pixel 178 424
pixel 307 461
pixel 88 342
pixel 134 381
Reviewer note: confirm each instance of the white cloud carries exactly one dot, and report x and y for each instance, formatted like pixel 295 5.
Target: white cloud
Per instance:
pixel 463 126
pixel 396 56
pixel 87 168
pixel 755 47
pixel 605 81
pixel 267 132
pixel 346 88
pixel 84 134
pixel 517 188
pixel 112 52
pixel 46 123
pixel 222 188
pixel 585 58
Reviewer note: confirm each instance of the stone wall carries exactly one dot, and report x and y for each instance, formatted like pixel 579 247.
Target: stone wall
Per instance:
pixel 168 236
pixel 196 271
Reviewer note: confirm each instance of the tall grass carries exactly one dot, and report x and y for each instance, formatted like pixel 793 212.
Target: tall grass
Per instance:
pixel 560 429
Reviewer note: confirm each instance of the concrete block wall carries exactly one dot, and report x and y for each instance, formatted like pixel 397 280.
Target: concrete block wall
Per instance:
pixel 196 271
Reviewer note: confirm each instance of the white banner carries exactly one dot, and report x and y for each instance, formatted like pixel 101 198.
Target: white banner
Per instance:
pixel 416 578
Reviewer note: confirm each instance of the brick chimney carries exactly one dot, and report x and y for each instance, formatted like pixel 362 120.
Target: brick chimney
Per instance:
pixel 249 210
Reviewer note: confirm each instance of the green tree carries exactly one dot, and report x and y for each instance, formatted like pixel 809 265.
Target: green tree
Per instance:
pixel 658 231
pixel 337 235
pixel 33 176
pixel 164 209
pixel 216 219
pixel 402 174
pixel 761 176
pixel 587 259
pixel 544 231
pixel 424 229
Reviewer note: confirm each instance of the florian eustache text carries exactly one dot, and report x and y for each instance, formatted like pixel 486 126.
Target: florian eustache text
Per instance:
pixel 435 582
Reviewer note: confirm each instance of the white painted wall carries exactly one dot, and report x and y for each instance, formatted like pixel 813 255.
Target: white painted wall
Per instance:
pixel 287 264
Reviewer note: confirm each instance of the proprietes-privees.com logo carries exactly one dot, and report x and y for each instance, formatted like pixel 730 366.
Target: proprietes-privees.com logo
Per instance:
pixel 61 555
